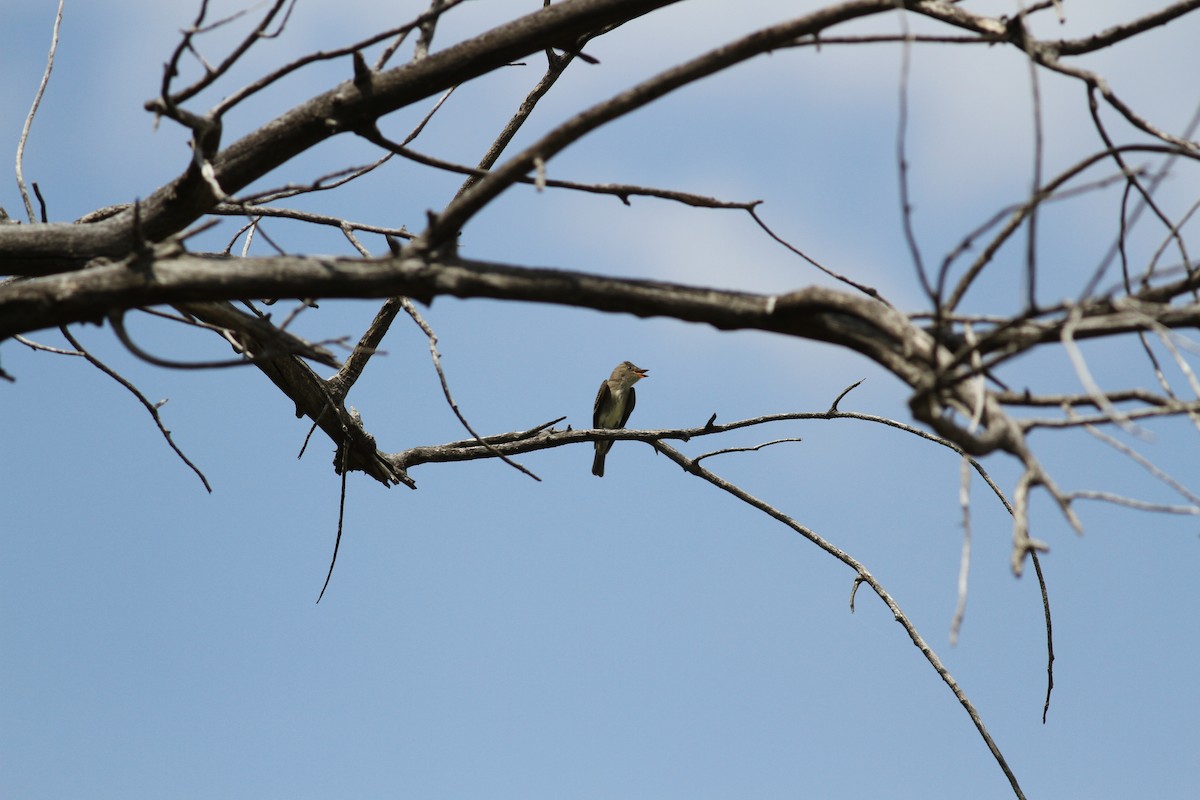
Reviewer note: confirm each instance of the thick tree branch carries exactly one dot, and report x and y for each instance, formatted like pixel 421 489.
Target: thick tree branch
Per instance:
pixel 818 313
pixel 868 326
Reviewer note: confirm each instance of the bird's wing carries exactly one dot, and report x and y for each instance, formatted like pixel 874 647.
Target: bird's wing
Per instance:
pixel 628 406
pixel 601 396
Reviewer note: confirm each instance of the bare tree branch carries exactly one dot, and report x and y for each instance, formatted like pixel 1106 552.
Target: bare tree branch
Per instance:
pixel 862 575
pixel 151 408
pixel 37 101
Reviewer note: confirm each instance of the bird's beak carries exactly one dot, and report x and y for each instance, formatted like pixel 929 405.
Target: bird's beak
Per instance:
pixel 642 373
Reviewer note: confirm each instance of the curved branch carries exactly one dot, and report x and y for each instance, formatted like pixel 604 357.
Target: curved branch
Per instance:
pixel 862 575
pixel 37 101
pixel 151 408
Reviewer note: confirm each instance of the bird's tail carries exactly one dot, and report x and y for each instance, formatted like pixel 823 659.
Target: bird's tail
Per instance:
pixel 598 461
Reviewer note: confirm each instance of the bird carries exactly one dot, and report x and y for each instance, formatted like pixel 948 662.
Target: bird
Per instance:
pixel 614 404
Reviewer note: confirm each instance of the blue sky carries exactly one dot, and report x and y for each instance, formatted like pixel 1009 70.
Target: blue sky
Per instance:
pixel 643 636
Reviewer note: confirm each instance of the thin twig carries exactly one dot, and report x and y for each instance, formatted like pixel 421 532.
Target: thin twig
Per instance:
pixel 964 564
pixel 1166 410
pixel 906 209
pixel 412 312
pixel 151 408
pixel 1085 375
pixel 324 183
pixel 37 101
pixel 1037 567
pixel 233 209
pixel 337 542
pixel 622 191
pixel 752 449
pixel 870 291
pixel 1140 505
pixel 45 348
pixel 1035 191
